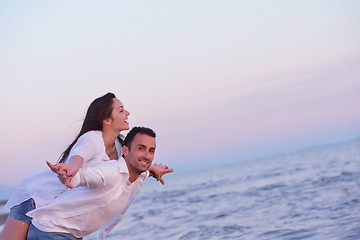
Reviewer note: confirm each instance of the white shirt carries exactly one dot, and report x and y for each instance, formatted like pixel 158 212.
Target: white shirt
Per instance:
pixel 44 186
pixel 84 210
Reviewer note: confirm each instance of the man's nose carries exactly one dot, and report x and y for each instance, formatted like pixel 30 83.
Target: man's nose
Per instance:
pixel 146 155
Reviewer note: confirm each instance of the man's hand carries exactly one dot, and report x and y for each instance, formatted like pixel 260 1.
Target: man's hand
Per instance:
pixel 158 170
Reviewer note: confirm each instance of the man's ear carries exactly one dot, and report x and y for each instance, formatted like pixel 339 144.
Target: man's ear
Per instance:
pixel 125 150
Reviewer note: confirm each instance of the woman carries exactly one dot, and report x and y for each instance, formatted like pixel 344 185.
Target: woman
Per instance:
pixel 98 140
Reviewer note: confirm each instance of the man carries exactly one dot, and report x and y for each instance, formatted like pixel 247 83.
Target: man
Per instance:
pixel 101 194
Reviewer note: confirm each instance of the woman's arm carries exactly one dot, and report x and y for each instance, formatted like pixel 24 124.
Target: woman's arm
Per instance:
pixel 91 177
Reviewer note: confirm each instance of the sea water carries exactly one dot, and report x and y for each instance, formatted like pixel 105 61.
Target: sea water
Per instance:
pixel 310 194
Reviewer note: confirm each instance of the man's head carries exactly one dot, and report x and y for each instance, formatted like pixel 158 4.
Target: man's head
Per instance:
pixel 139 149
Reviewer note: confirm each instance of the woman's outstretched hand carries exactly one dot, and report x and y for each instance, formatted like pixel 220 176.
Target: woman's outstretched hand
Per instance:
pixel 64 171
pixel 158 170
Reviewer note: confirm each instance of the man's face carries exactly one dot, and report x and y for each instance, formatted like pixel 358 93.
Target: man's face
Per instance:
pixel 141 153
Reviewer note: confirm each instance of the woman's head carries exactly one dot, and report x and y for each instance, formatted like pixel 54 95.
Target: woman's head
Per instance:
pixel 100 110
pixel 118 118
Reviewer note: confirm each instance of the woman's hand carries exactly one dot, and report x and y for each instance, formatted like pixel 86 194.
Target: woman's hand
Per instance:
pixel 158 170
pixel 64 171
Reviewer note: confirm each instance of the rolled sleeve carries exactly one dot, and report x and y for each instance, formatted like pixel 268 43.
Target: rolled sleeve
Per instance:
pixel 75 181
pixel 96 176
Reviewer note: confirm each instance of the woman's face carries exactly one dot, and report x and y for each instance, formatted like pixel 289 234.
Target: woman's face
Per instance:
pixel 119 116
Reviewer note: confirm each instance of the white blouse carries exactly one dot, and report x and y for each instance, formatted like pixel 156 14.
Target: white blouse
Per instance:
pixel 101 204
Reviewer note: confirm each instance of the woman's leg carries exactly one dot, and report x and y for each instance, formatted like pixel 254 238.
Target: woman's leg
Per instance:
pixel 17 223
pixel 14 230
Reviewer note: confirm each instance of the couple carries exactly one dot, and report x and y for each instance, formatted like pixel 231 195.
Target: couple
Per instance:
pixel 104 183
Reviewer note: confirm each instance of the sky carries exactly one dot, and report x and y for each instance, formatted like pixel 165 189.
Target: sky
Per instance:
pixel 219 81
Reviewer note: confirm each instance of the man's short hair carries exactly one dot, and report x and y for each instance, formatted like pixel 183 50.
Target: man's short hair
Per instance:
pixel 137 130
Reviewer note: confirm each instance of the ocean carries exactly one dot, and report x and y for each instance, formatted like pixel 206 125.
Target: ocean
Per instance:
pixel 309 194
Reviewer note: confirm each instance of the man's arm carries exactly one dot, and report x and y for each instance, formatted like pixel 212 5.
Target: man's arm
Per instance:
pixel 158 170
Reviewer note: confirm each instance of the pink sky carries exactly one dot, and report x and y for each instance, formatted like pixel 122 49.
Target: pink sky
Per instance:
pixel 209 78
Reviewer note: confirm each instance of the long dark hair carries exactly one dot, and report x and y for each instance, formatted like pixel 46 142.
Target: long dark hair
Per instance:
pixel 99 110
